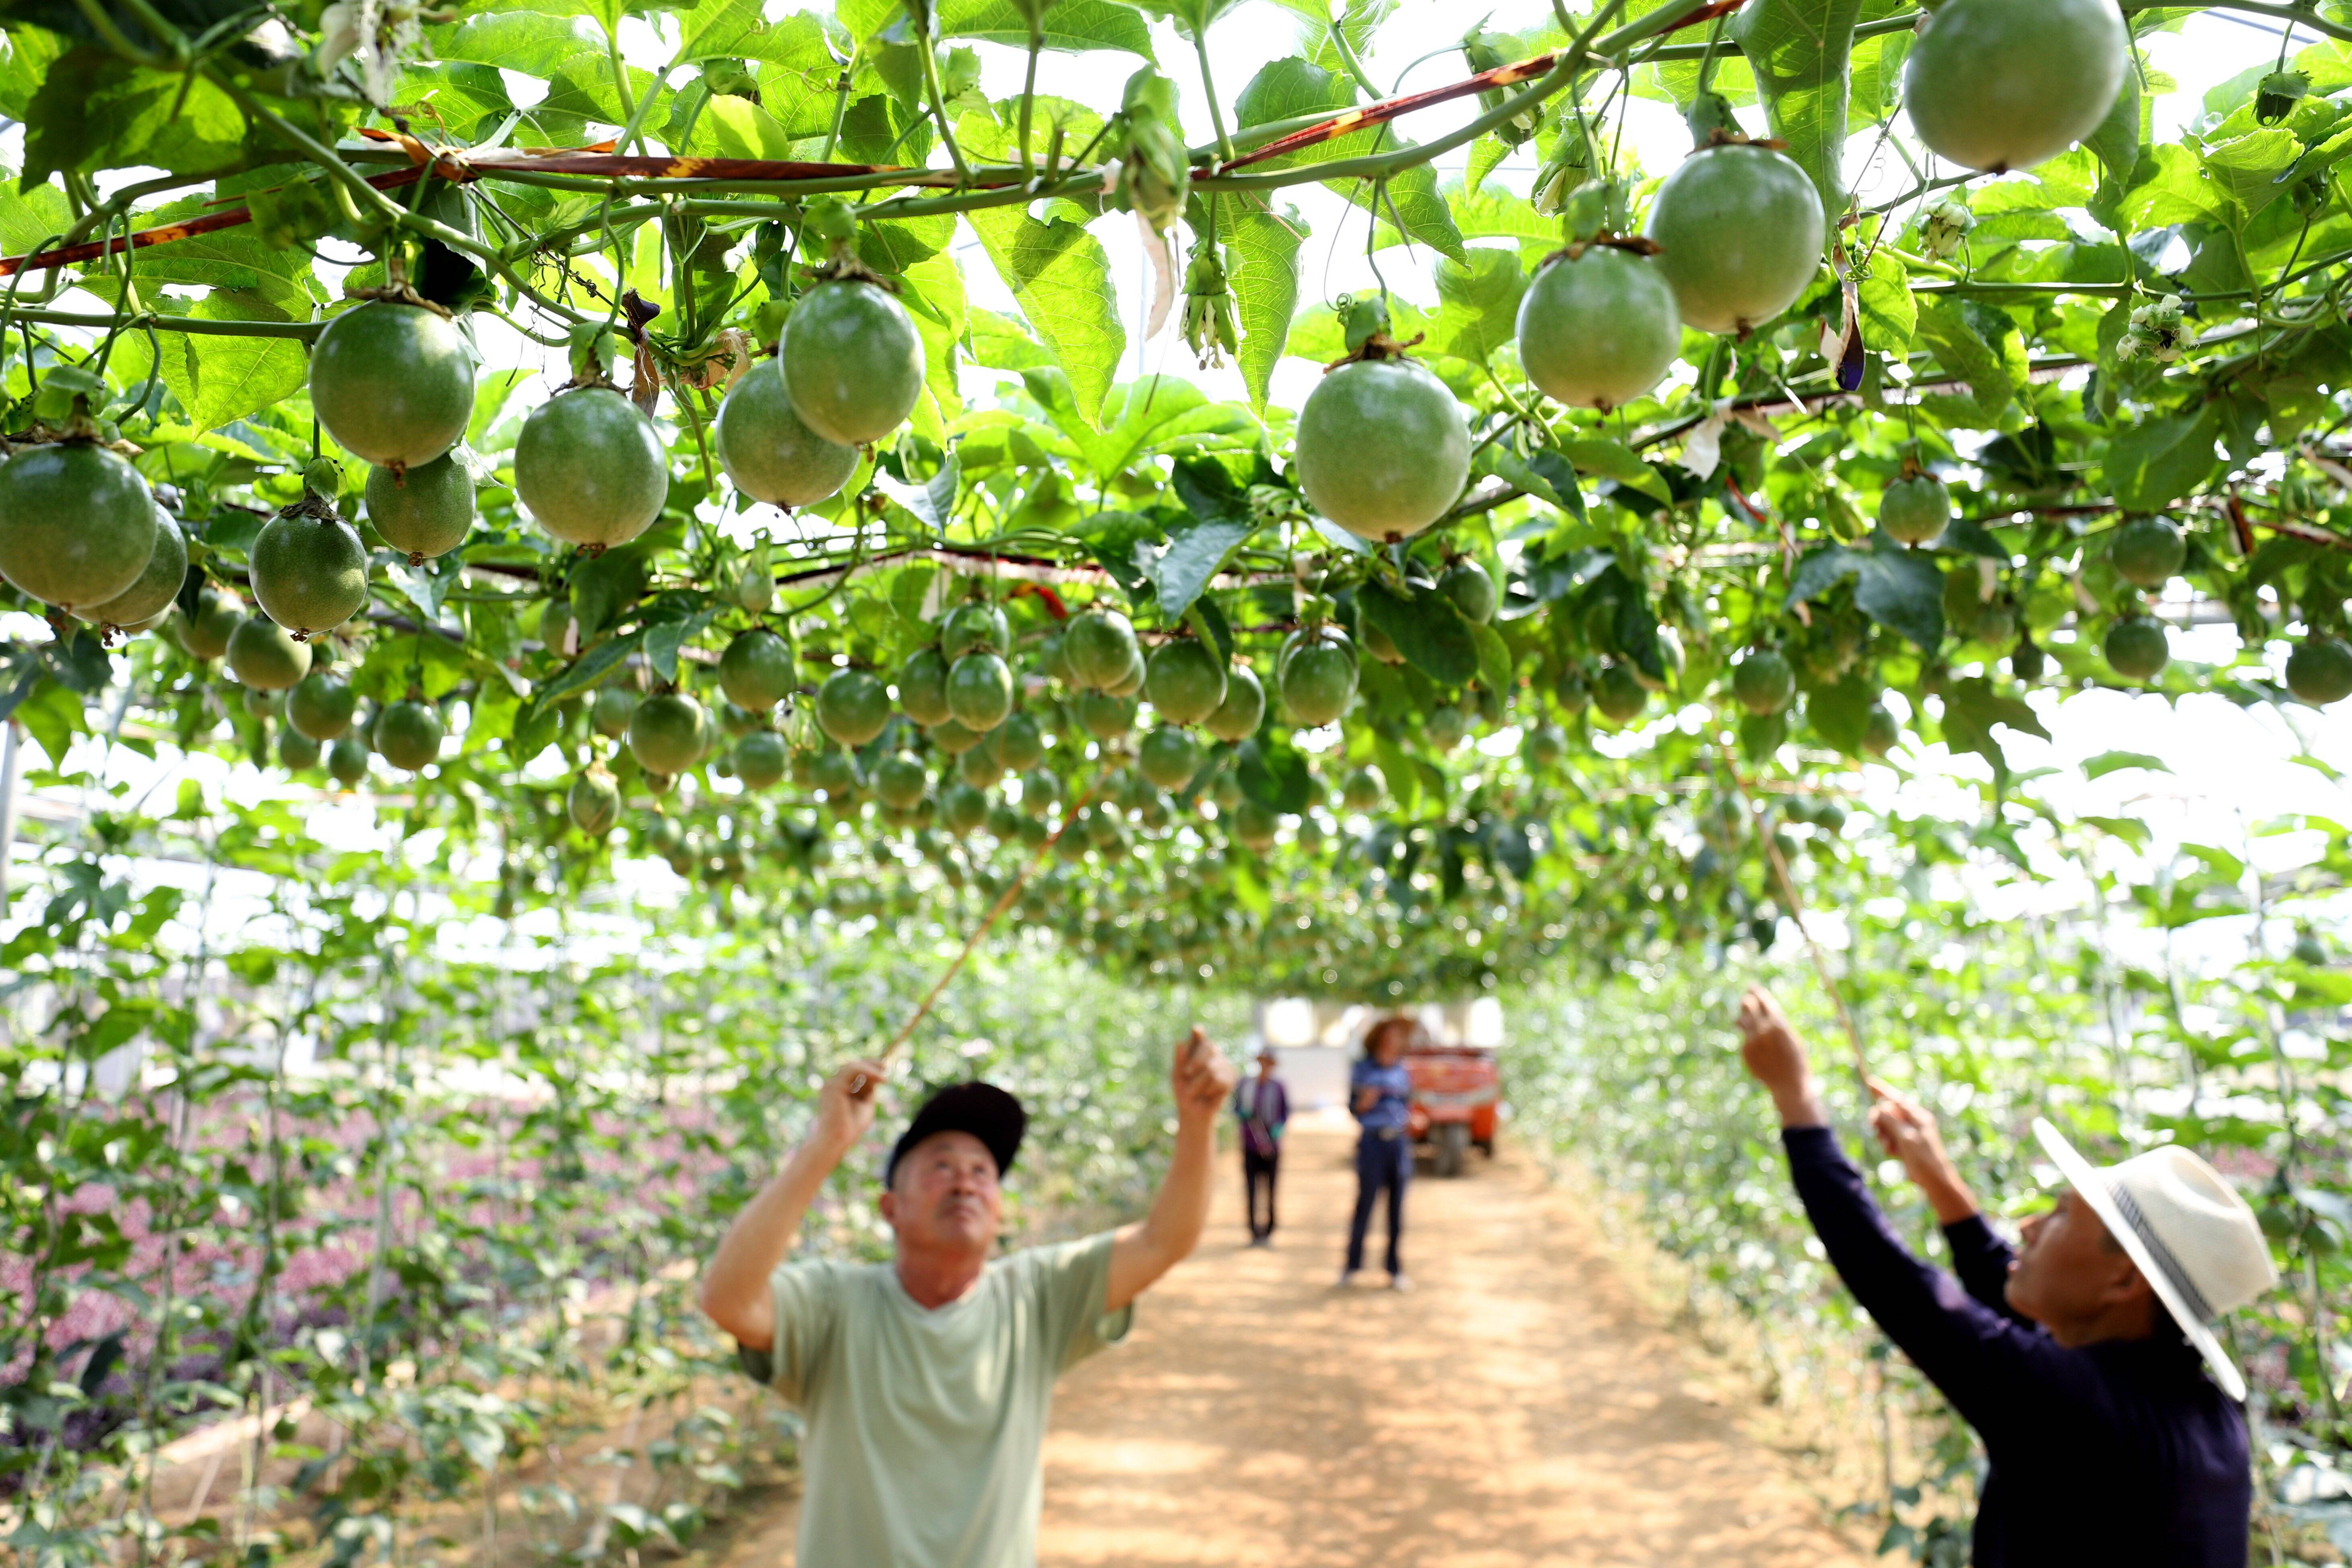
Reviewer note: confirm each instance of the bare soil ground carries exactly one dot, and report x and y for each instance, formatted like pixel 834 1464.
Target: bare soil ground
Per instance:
pixel 1523 1406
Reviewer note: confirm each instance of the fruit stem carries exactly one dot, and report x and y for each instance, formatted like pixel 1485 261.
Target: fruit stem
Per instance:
pixel 1208 87
pixel 1029 88
pixel 932 90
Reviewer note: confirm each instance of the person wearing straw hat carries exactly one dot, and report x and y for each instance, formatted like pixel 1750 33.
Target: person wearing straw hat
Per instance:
pixel 924 1382
pixel 2077 1357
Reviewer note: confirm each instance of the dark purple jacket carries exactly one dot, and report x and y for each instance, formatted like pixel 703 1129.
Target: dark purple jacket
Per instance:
pixel 2123 1452
pixel 1262 1134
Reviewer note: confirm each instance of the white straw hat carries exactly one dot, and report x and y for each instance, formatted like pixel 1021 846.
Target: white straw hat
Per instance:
pixel 2192 1235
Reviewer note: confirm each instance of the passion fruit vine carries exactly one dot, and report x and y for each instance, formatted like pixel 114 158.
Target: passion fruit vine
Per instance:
pixel 1740 230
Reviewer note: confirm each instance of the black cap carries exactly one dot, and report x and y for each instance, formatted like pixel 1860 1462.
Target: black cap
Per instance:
pixel 983 1109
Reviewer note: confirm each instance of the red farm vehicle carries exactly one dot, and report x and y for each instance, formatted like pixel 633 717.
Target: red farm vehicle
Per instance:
pixel 1456 1093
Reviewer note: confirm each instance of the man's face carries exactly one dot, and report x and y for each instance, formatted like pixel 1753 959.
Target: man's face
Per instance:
pixel 1266 1065
pixel 945 1197
pixel 2068 1270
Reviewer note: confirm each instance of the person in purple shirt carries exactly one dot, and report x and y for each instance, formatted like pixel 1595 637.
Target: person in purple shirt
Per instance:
pixel 2077 1359
pixel 1262 1106
pixel 1380 1091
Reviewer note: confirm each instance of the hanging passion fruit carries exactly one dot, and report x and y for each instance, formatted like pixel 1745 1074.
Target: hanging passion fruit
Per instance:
pixel 850 361
pixel 2319 672
pixel 393 383
pixel 297 751
pixel 852 706
pixel 1319 677
pixel 322 706
pixel 1021 741
pixel 1244 708
pixel 1098 646
pixel 1618 696
pixel 594 802
pixel 769 454
pixel 590 468
pixel 1131 679
pixel 984 764
pixel 1739 232
pixel 2007 84
pixel 954 738
pixel 218 615
pixel 923 687
pixel 1364 790
pixel 1471 589
pixel 1382 450
pixel 668 733
pixel 1253 827
pixel 1040 789
pixel 2148 552
pixel 963 809
pixel 1104 716
pixel 756 671
pixel 263 655
pixel 77 523
pixel 347 760
pixel 424 511
pixel 158 584
pixel 2137 648
pixel 900 782
pixel 1916 510
pixel 309 573
pixel 1168 757
pixel 1184 681
pixel 975 628
pixel 1763 683
pixel 980 691
pixel 408 734
pixel 1599 329
pixel 611 711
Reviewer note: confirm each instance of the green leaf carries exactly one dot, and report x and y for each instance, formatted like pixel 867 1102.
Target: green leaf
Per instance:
pixel 1840 715
pixel 95 111
pixel 1965 356
pixel 1495 662
pixel 2247 168
pixel 1071 26
pixel 1802 53
pixel 2170 187
pixel 1160 415
pixel 1000 342
pixel 220 379
pixel 1902 591
pixel 1273 776
pixel 1410 197
pixel 2152 465
pixel 2107 762
pixel 1061 275
pixel 1197 547
pixel 1431 635
pixel 1971 708
pixel 1615 460
pixel 1889 312
pixel 2116 142
pixel 1479 310
pixel 1493 213
pixel 1262 267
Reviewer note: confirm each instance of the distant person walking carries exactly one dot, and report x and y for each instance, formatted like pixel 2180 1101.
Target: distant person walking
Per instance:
pixel 1262 1106
pixel 1380 1091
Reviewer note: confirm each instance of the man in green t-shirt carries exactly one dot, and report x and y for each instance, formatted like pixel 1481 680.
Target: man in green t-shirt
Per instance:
pixel 924 1382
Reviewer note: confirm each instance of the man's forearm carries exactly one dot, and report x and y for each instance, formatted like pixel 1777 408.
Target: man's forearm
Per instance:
pixel 1948 1195
pixel 735 1284
pixel 1180 1212
pixel 1799 1103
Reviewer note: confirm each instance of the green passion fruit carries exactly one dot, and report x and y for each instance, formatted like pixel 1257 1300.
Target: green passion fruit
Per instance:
pixel 1445 726
pixel 1185 680
pixel 900 782
pixel 1545 745
pixel 1471 589
pixel 1739 232
pixel 408 734
pixel 963 809
pixel 984 764
pixel 1319 678
pixel 2008 84
pixel 1021 741
pixel 424 510
pixel 1618 697
pixel 393 383
pixel 1131 679
pixel 1364 790
pixel 1881 730
pixel 1599 329
pixel 850 361
pixel 1040 788
pixel 668 733
pixel 980 691
pixel 309 573
pixel 1098 646
pixel 954 738
pixel 756 671
pixel 975 628
pixel 1243 709
pixel 923 687
pixel 590 468
pixel 322 706
pixel 263 653
pixel 611 710
pixel 297 751
pixel 594 803
pixel 2319 672
pixel 762 759
pixel 218 614
pixel 1763 683
pixel 1572 692
pixel 264 704
pixel 77 523
pixel 158 583
pixel 1253 827
pixel 852 706
pixel 1168 757
pixel 2138 650
pixel 836 773
pixel 1916 510
pixel 767 449
pixel 1382 449
pixel 347 760
pixel 1104 716
pixel 2148 552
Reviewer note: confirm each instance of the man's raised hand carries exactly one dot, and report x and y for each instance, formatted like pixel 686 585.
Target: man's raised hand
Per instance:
pixel 844 1107
pixel 1775 1058
pixel 1907 1131
pixel 1201 1079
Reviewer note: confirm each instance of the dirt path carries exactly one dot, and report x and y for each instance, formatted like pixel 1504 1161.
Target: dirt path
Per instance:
pixel 1520 1408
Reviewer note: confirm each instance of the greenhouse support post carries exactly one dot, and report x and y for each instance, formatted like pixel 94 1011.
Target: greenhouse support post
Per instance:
pixel 12 763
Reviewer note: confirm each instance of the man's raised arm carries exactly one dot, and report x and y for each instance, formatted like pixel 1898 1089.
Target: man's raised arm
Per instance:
pixel 1202 1081
pixel 735 1293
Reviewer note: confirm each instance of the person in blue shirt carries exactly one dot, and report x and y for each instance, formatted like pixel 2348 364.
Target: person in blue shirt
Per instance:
pixel 1380 1091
